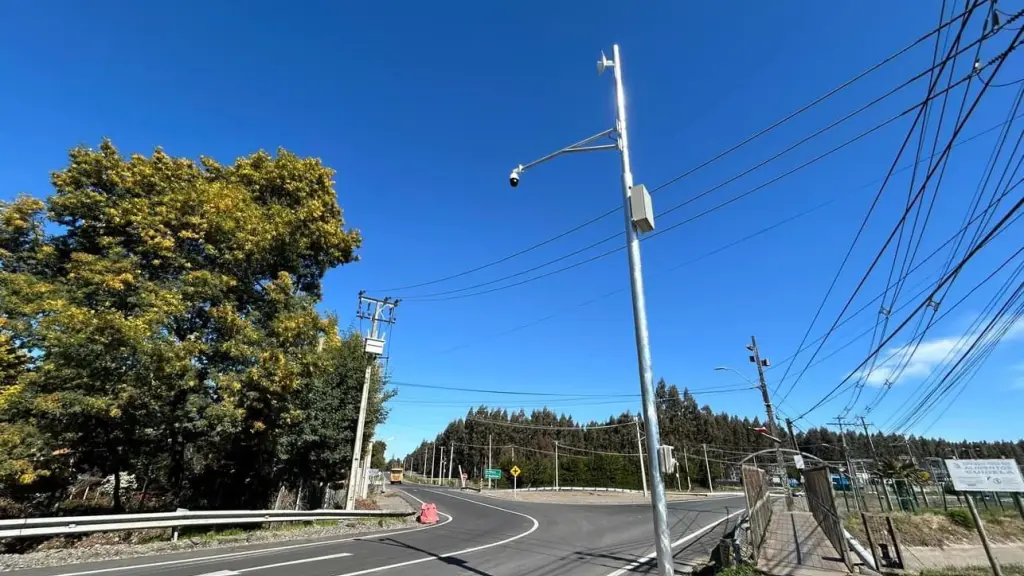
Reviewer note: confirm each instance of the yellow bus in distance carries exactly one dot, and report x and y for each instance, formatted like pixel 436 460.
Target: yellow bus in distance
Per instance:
pixel 396 475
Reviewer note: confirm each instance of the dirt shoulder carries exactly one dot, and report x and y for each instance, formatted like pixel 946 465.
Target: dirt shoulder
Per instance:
pixel 598 497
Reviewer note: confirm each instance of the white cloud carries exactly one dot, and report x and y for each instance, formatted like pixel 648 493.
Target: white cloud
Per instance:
pixel 929 354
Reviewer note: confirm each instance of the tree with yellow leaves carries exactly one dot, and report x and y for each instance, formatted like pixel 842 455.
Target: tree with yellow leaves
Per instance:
pixel 168 328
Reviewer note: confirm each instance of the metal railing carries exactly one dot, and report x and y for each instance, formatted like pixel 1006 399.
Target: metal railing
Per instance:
pixel 759 506
pixel 28 527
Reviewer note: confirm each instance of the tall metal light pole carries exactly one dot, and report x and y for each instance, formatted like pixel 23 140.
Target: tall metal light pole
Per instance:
pixel 639 217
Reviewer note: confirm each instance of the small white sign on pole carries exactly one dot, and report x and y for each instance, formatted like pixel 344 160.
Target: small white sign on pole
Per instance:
pixel 991 475
pixel 798 461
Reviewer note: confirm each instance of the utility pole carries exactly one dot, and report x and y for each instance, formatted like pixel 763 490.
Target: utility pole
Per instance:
pixel 874 454
pixel 451 461
pixel 378 312
pixel 556 465
pixel 488 459
pixel 686 461
pixel 433 458
pixel 707 467
pixel 640 453
pixel 639 218
pixel 770 410
pixel 849 465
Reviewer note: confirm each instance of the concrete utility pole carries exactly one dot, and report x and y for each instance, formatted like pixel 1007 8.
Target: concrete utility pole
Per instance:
pixel 451 460
pixel 874 454
pixel 488 459
pixel 639 218
pixel 440 476
pixel 686 462
pixel 433 458
pixel 849 465
pixel 770 410
pixel 640 453
pixel 556 465
pixel 378 312
pixel 711 486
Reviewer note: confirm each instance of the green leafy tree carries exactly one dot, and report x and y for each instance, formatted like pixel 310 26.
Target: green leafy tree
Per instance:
pixel 168 326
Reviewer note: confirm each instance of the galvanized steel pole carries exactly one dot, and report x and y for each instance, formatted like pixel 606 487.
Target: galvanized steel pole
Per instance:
pixel 663 542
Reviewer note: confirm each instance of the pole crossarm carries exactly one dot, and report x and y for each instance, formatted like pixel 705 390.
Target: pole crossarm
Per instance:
pixel 580 146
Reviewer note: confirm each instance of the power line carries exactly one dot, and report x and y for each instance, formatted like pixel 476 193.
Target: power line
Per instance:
pixel 578 427
pixel 860 230
pixel 963 262
pixel 721 155
pixel 724 247
pixel 673 226
pixel 999 60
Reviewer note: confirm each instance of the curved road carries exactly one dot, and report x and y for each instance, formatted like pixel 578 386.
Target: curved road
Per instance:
pixel 476 536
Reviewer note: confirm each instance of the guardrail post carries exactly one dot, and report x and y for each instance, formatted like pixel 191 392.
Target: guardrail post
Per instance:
pixel 177 529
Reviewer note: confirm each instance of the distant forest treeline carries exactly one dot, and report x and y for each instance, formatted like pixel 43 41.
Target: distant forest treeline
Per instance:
pixel 599 454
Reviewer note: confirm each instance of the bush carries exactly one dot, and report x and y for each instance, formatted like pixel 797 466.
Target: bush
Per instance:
pixel 960 517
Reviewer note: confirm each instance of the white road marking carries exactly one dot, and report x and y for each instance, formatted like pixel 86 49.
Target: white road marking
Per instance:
pixel 220 573
pixel 457 552
pixel 280 564
pixel 236 555
pixel 632 566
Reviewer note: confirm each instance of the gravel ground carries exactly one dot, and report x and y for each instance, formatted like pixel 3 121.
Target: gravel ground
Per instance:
pixel 111 546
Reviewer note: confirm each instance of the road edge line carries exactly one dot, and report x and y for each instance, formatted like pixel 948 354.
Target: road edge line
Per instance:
pixel 433 558
pixel 237 555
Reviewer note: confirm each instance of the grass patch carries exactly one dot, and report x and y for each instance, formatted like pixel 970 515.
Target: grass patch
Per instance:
pixel 741 570
pixel 939 528
pixel 1008 570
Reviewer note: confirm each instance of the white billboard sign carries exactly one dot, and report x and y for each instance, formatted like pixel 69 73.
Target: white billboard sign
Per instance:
pixel 992 475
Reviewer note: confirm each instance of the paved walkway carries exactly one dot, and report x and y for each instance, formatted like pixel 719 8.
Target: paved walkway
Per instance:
pixel 795 546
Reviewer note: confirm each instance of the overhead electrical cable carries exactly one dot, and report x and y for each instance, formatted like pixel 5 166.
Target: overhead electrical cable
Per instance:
pixel 963 262
pixel 998 60
pixel 721 155
pixel 677 224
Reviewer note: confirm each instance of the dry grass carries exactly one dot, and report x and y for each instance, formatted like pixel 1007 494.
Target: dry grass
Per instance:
pixel 1008 570
pixel 941 529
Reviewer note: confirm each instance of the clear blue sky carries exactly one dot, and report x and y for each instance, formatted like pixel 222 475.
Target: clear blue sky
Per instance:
pixel 423 108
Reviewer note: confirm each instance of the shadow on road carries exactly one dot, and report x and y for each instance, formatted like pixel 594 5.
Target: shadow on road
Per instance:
pixel 450 560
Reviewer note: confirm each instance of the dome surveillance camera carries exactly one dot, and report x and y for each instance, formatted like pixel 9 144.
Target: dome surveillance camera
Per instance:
pixel 513 178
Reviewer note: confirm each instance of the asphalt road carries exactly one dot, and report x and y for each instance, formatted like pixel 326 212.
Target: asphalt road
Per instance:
pixel 476 535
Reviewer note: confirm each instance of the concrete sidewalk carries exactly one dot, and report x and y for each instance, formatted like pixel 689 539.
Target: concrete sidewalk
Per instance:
pixel 796 546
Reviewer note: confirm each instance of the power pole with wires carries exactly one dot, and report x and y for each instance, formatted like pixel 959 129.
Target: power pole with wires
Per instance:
pixel 640 452
pixel 851 472
pixel 378 312
pixel 755 357
pixel 556 465
pixel 874 455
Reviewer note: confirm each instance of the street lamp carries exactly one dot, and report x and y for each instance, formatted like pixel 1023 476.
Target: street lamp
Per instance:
pixel 737 372
pixel 639 218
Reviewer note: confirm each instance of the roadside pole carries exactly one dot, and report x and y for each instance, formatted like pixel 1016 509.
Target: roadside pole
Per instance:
pixel 996 570
pixel 640 453
pixel 556 465
pixel 378 312
pixel 711 486
pixel 686 462
pixel 451 461
pixel 772 429
pixel 433 458
pixel 488 459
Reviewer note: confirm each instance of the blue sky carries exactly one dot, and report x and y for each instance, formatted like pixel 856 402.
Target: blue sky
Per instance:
pixel 423 108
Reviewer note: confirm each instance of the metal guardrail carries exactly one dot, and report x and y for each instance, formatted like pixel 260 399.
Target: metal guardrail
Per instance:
pixel 52 526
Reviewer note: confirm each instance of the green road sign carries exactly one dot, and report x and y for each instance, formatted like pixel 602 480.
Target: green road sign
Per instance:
pixel 492 473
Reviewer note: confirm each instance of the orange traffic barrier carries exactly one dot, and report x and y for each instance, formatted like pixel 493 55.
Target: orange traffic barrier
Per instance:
pixel 428 514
